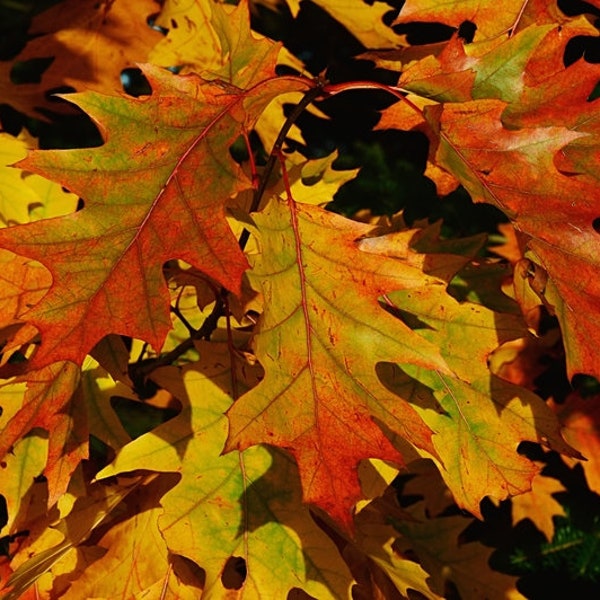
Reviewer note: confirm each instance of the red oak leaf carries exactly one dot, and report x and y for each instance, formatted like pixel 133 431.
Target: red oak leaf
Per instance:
pixel 155 191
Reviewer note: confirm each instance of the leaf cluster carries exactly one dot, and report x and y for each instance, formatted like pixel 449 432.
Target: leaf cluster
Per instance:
pixel 298 299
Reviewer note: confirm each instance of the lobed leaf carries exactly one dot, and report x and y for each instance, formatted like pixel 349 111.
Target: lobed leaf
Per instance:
pixel 87 44
pixel 240 504
pixel 103 255
pixel 479 419
pixel 320 336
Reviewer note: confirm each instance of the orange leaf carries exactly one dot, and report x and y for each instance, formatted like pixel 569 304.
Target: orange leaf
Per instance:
pixel 437 545
pixel 484 14
pixel 155 193
pixel 49 403
pixel 136 555
pixel 214 40
pixel 89 43
pixel 321 335
pixel 479 420
pixel 539 505
pixel 515 170
pixel 581 421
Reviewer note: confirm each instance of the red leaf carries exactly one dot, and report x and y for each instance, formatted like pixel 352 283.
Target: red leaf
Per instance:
pixel 155 191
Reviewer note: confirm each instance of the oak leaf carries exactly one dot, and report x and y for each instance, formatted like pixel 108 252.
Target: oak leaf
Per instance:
pixel 497 151
pixel 49 403
pixel 97 388
pixel 19 470
pixel 483 14
pixel 88 44
pixel 580 418
pixel 436 544
pixel 364 20
pixel 118 243
pixel 24 196
pixel 240 504
pixel 129 545
pixel 516 171
pixel 539 505
pixel 214 40
pixel 60 542
pixel 320 336
pixel 374 542
pixel 479 420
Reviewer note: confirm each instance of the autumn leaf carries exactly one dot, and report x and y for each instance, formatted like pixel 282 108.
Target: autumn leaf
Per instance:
pixel 501 145
pixel 463 72
pixel 87 45
pixel 374 541
pixel 34 560
pixel 581 422
pixel 321 334
pixel 24 283
pixel 479 420
pixel 489 159
pixel 24 196
pixel 436 543
pixel 227 506
pixel 426 483
pixel 215 41
pixel 364 20
pixel 483 14
pixel 49 403
pixel 97 388
pixel 25 463
pixel 125 233
pixel 539 504
pixel 325 373
pixel 128 546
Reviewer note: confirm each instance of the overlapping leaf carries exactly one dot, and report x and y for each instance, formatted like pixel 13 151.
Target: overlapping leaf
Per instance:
pixel 483 14
pixel 128 546
pixel 539 505
pixel 436 544
pixel 375 539
pixel 581 420
pixel 515 170
pixel 87 44
pixel 49 403
pixel 215 41
pixel 321 334
pixel 240 504
pixel 365 20
pixel 127 230
pixel 502 129
pixel 479 419
pixel 365 353
pixel 56 544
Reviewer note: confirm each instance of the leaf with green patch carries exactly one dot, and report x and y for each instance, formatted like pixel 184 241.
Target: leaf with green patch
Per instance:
pixel 106 260
pixel 244 504
pixel 321 334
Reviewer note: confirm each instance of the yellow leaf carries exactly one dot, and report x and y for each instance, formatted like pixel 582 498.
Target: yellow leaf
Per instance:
pixel 135 555
pixel 246 504
pixel 538 505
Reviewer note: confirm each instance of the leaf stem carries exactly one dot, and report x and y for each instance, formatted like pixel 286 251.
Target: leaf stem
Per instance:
pixel 221 304
pixel 308 97
pixel 209 325
pixel 400 93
